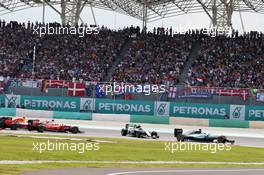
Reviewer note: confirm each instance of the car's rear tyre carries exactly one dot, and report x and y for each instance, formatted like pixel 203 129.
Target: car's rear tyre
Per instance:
pixel 41 129
pixel 180 138
pixel 30 128
pixel 154 135
pixel 123 132
pixel 221 139
pixel 14 127
pixel 75 130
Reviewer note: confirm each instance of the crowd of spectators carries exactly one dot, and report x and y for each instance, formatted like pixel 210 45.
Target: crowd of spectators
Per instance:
pixel 154 59
pixel 229 62
pixel 157 57
pixel 61 56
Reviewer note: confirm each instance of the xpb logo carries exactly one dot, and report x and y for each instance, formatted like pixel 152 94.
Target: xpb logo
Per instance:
pixel 12 101
pixel 87 104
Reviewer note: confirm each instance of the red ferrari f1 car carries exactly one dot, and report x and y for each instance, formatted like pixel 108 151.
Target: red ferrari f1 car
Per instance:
pixel 51 126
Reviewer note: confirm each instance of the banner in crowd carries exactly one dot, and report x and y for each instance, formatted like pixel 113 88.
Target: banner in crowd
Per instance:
pixel 56 83
pixel 13 83
pixel 51 103
pixel 243 93
pixel 205 92
pixel 260 97
pixel 186 92
pixel 124 106
pixel 31 83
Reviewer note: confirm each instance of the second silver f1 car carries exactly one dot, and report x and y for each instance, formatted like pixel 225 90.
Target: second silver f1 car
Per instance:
pixel 199 136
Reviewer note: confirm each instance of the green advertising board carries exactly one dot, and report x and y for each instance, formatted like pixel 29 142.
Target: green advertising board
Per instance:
pixel 255 113
pixel 196 110
pixel 72 115
pixel 7 111
pixel 136 107
pixel 124 107
pixel 53 103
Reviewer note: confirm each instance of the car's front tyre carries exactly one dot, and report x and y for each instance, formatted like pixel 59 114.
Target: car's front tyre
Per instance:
pixel 154 135
pixel 41 129
pixel 221 139
pixel 14 127
pixel 123 132
pixel 75 130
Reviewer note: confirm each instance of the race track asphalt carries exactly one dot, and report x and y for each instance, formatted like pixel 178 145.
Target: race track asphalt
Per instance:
pixel 242 136
pixel 146 171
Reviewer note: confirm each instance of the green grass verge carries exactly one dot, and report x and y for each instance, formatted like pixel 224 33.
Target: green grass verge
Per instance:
pixel 13 148
pixel 123 149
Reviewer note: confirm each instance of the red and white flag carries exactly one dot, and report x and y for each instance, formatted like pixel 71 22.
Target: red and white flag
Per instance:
pixel 172 92
pixel 243 93
pixel 2 87
pixel 56 83
pixel 76 89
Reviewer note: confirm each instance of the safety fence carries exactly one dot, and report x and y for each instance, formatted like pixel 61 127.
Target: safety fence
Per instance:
pixel 113 90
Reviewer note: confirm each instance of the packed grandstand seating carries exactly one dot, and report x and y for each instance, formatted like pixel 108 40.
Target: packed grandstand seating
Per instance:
pixel 229 62
pixel 57 56
pixel 156 58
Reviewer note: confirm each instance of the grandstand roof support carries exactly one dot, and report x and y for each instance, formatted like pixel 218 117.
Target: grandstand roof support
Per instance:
pixel 145 15
pixel 71 10
pixel 222 13
pixel 219 11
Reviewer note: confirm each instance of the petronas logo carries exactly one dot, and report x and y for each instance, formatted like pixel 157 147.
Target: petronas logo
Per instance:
pixel 162 109
pixel 237 112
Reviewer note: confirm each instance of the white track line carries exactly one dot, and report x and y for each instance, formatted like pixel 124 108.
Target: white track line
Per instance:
pixel 185 171
pixel 3 162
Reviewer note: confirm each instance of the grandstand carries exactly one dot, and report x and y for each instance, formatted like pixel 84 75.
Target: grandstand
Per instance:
pixel 132 55
pixel 199 91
